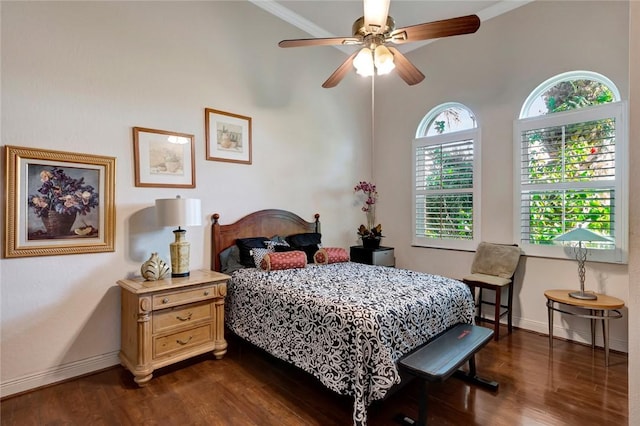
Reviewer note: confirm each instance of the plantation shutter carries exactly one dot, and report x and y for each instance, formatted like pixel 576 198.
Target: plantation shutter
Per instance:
pixel 568 175
pixel 444 190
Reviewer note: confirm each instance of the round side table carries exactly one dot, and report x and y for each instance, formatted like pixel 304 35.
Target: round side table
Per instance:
pixel 604 308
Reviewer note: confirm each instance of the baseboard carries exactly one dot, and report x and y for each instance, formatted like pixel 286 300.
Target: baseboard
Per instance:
pixel 581 336
pixel 59 374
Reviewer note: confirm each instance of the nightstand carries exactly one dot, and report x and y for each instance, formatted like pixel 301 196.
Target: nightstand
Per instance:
pixel 170 320
pixel 382 256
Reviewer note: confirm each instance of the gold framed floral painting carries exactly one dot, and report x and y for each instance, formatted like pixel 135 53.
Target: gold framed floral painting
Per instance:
pixel 58 202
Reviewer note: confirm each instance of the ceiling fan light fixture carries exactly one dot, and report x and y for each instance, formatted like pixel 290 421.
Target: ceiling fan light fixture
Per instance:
pixel 383 60
pixel 363 62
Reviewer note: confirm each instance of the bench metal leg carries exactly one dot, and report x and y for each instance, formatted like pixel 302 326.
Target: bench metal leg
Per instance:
pixel 422 408
pixel 473 378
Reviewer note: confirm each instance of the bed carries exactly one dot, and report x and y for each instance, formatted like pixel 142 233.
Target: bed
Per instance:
pixel 345 323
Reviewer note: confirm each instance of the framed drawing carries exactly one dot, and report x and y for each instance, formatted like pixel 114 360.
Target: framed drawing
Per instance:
pixel 228 136
pixel 58 202
pixel 163 159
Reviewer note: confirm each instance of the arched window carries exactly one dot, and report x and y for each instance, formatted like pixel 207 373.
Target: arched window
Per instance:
pixel 571 145
pixel 568 91
pixel 446 178
pixel 446 118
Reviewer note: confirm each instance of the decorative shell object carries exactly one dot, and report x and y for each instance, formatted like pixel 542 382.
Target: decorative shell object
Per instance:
pixel 154 268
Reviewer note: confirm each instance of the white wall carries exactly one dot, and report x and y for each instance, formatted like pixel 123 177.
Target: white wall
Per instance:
pixel 492 72
pixel 78 76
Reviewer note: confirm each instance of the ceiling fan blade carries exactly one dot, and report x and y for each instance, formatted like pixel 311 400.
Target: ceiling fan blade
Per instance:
pixel 375 14
pixel 406 70
pixel 333 41
pixel 430 30
pixel 339 73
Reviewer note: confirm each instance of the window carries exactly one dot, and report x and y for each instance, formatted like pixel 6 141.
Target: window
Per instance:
pixel 446 179
pixel 571 150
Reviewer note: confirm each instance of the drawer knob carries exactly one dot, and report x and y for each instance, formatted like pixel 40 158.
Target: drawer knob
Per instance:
pixel 187 318
pixel 206 292
pixel 165 300
pixel 184 342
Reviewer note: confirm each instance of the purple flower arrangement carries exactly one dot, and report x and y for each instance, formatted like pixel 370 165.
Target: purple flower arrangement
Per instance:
pixel 63 194
pixel 371 231
pixel 369 190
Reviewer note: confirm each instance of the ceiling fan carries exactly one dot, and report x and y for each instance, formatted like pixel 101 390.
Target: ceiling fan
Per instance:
pixel 375 30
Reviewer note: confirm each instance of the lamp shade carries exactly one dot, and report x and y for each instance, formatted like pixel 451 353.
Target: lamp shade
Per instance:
pixel 178 212
pixel 363 62
pixel 581 234
pixel 383 60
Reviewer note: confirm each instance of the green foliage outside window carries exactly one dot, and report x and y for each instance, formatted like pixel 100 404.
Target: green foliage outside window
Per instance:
pixel 449 215
pixel 572 153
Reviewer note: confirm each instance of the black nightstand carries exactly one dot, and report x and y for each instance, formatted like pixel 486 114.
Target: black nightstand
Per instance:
pixel 382 256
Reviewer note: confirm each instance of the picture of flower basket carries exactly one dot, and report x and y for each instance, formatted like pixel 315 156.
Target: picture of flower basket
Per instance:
pixel 59 224
pixel 59 202
pixel 60 199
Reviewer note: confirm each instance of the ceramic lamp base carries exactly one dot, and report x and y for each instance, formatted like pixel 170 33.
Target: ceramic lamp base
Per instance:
pixel 179 254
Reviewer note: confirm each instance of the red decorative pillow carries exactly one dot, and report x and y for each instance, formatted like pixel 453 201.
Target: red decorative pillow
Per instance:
pixel 328 255
pixel 284 260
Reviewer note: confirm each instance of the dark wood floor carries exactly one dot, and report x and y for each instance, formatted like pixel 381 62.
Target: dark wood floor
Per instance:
pixel 247 387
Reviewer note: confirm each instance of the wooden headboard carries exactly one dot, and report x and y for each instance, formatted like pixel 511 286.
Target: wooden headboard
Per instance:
pixel 263 223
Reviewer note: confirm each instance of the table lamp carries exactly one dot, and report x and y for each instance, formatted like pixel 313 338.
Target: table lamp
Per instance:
pixel 581 235
pixel 179 212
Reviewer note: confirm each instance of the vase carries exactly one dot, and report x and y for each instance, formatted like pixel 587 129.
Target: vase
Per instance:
pixel 371 243
pixel 154 268
pixel 58 224
pixel 371 217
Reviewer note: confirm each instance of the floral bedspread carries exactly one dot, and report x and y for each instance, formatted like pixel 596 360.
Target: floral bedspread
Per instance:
pixel 345 323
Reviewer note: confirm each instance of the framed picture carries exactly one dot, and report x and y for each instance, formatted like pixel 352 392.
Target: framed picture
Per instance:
pixel 163 159
pixel 228 136
pixel 58 202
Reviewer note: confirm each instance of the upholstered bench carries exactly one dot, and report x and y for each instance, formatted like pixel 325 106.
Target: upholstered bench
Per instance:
pixel 439 359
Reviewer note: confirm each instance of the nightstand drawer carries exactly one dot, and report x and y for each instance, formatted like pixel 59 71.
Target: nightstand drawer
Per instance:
pixel 169 299
pixel 182 316
pixel 167 345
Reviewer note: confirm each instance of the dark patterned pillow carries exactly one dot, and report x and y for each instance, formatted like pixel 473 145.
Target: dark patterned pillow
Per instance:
pixel 246 245
pixel 328 255
pixel 309 242
pixel 276 242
